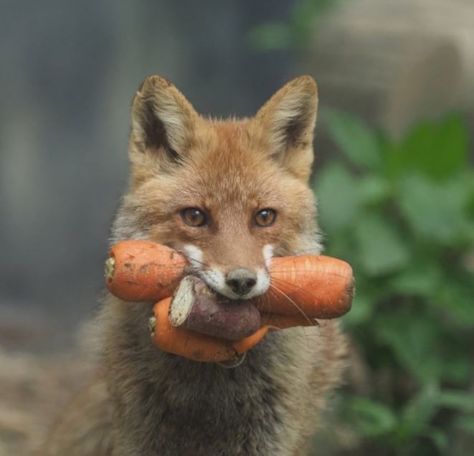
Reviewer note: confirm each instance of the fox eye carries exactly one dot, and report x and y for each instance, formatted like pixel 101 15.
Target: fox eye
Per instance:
pixel 265 217
pixel 194 216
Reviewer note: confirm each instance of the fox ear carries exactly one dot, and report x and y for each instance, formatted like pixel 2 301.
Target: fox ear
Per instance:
pixel 288 120
pixel 162 119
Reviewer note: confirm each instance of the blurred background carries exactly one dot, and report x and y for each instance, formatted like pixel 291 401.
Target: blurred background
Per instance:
pixel 394 175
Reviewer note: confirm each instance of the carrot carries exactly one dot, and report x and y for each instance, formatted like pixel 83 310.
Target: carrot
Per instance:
pixel 249 342
pixel 271 322
pixel 315 286
pixel 204 348
pixel 143 270
pixel 276 321
pixel 186 343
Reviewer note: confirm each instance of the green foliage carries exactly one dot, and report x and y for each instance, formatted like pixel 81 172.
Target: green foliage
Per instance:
pixel 293 33
pixel 402 213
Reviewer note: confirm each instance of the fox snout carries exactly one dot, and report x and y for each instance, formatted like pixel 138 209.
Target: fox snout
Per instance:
pixel 237 282
pixel 241 280
pixel 234 282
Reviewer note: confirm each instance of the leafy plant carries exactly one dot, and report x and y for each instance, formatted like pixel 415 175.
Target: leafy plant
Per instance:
pixel 402 213
pixel 295 31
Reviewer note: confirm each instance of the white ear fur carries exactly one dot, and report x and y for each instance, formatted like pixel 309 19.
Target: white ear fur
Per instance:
pixel 289 118
pixel 162 118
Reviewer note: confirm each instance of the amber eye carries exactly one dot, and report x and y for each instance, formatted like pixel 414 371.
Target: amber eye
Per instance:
pixel 193 216
pixel 265 217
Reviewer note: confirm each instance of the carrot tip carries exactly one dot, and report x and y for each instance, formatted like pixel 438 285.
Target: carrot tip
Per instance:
pixel 152 326
pixel 235 362
pixel 109 269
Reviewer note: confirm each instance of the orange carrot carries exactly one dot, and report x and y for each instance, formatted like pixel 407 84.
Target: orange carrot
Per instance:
pixel 244 345
pixel 271 322
pixel 143 270
pixel 186 343
pixel 315 286
pixel 204 348
pixel 276 321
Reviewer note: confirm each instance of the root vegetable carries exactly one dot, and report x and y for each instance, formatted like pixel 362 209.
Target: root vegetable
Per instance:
pixel 276 321
pixel 143 270
pixel 244 345
pixel 315 286
pixel 189 344
pixel 204 348
pixel 272 322
pixel 195 307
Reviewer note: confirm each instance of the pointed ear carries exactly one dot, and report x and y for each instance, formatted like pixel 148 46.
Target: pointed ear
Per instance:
pixel 163 121
pixel 288 120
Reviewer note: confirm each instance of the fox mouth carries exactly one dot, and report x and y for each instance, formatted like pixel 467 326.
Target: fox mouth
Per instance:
pixel 229 284
pixel 215 281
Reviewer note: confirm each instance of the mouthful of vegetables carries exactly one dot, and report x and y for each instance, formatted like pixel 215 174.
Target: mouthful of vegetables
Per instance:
pixel 191 320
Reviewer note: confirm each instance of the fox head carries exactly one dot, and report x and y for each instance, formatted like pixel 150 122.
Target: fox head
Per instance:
pixel 230 194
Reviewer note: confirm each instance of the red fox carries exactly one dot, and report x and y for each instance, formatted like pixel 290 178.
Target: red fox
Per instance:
pixel 230 195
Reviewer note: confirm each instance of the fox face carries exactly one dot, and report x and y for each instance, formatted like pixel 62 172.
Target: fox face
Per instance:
pixel 229 195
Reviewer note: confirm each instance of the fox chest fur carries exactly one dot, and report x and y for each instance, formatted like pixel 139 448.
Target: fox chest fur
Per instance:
pixel 170 406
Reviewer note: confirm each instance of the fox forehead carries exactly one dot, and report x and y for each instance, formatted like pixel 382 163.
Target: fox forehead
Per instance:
pixel 227 166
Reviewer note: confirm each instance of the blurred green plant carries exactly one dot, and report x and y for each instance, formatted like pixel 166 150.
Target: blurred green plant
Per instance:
pixel 293 33
pixel 402 213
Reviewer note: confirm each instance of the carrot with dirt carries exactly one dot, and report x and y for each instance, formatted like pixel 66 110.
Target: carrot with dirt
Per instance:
pixel 186 343
pixel 205 348
pixel 143 270
pixel 311 285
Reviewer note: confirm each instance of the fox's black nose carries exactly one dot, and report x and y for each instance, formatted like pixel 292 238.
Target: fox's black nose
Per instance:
pixel 241 280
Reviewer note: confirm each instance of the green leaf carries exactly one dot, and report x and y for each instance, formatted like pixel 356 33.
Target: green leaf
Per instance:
pixel 296 32
pixel 339 246
pixel 414 340
pixel 371 418
pixel 457 367
pixel 436 212
pixel 420 278
pixel 271 36
pixel 458 400
pixel 438 149
pixel 338 197
pixel 417 414
pixel 465 423
pixel 381 248
pixel 373 189
pixel 455 299
pixel 354 138
pixel 305 18
pixel 361 311
pixel 439 438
